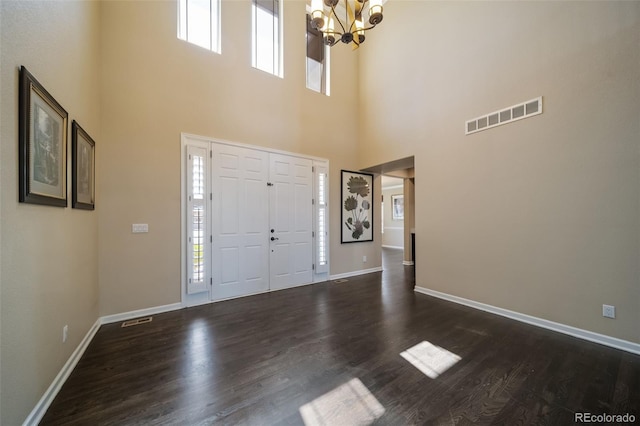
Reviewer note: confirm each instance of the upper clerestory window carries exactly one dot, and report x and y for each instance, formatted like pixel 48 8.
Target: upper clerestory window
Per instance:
pixel 267 36
pixel 199 23
pixel 317 60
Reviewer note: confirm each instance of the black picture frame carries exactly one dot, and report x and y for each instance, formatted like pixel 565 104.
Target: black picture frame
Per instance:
pixel 83 169
pixel 356 207
pixel 42 142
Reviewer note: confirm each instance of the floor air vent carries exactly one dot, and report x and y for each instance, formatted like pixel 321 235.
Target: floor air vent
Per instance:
pixel 137 321
pixel 340 281
pixel 506 115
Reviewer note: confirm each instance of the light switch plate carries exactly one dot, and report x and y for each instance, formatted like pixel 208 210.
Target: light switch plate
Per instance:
pixel 138 228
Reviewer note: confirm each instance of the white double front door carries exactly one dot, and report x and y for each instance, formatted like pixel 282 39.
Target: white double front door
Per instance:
pixel 262 221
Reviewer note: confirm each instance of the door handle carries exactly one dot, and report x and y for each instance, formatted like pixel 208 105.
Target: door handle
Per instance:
pixel 274 238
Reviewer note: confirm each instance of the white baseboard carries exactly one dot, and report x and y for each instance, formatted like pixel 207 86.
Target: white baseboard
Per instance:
pixel 393 247
pixel 41 407
pixel 407 262
pixel 108 319
pixel 355 273
pixel 591 336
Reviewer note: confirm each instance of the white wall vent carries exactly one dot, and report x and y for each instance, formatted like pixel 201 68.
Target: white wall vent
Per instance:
pixel 505 115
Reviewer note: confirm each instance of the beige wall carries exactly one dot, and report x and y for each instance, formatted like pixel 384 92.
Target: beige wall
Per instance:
pixel 155 86
pixel 541 216
pixel 49 254
pixel 393 229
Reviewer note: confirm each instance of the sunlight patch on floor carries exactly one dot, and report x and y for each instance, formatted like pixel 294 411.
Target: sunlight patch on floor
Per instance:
pixel 198 348
pixel 432 360
pixel 348 404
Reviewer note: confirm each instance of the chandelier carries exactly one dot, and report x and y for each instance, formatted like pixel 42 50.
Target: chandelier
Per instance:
pixel 351 28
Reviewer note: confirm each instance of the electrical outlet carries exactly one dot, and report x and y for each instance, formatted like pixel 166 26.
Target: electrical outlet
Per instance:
pixel 65 333
pixel 608 311
pixel 364 259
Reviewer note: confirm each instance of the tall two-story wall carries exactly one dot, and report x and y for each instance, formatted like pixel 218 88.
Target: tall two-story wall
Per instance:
pixel 49 264
pixel 155 86
pixel 541 216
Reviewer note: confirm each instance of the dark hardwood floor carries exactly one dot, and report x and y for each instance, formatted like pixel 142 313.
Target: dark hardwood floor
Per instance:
pixel 338 354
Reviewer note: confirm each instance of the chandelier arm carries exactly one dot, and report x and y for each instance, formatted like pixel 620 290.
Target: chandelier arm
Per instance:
pixel 338 33
pixel 333 10
pixel 346 14
pixel 355 18
pixel 351 26
pixel 353 23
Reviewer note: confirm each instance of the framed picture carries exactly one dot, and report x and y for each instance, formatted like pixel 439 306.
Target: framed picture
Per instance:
pixel 42 140
pixel 83 170
pixel 357 206
pixel 397 207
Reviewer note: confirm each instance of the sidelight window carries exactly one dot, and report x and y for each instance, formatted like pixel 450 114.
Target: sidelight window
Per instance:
pixel 197 235
pixel 322 219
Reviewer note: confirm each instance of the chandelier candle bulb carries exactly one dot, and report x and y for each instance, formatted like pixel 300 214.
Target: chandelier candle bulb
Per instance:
pixel 317 14
pixel 375 12
pixel 329 37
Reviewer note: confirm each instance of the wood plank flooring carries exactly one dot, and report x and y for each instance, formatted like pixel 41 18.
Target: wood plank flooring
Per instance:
pixel 331 354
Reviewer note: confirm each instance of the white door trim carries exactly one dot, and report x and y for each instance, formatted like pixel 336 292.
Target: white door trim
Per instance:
pixel 189 138
pixel 249 146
